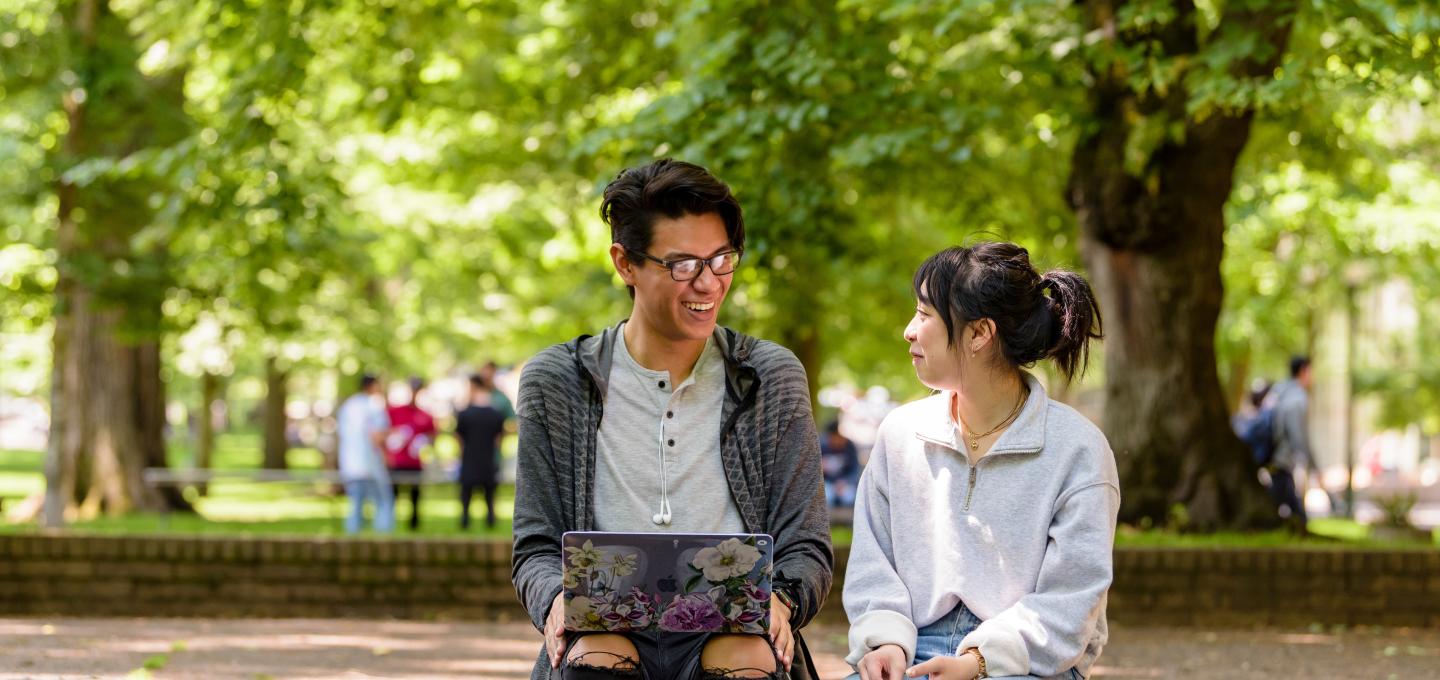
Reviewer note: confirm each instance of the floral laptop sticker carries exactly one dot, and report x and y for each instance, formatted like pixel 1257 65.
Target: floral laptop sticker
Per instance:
pixel 681 583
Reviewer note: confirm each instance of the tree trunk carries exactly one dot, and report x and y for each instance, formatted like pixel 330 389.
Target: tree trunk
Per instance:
pixel 110 405
pixel 149 412
pixel 801 337
pixel 107 399
pixel 205 436
pixel 1165 414
pixel 274 415
pixel 67 467
pixel 1237 388
pixel 1153 242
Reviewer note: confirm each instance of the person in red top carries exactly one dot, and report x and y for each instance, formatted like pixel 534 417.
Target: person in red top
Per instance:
pixel 411 431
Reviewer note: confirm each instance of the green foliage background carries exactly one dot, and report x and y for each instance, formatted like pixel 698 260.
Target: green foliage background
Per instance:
pixel 413 185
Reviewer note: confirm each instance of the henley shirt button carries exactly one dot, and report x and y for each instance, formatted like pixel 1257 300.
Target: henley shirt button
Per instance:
pixel 662 384
pixel 669 414
pixel 672 442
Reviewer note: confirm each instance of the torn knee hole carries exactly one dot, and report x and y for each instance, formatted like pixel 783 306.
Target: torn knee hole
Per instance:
pixel 734 673
pixel 619 665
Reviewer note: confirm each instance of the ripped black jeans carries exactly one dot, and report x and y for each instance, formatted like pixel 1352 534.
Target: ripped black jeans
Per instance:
pixel 663 656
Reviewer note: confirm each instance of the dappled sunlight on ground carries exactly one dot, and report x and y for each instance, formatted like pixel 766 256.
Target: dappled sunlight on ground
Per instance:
pixel 1307 639
pixel 300 648
pixel 321 649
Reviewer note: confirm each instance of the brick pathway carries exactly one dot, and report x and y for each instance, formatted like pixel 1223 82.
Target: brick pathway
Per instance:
pixel 254 649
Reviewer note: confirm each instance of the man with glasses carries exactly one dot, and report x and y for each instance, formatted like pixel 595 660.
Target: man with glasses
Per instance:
pixel 668 422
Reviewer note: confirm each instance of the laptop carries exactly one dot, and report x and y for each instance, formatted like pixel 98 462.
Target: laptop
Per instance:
pixel 680 583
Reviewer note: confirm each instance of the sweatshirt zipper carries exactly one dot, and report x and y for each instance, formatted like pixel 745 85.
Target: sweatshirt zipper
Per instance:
pixel 970 493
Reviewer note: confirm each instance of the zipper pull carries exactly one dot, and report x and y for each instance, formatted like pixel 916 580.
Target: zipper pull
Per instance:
pixel 970 493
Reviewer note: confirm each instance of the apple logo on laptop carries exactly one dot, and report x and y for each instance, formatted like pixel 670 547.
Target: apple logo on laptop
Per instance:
pixel 666 585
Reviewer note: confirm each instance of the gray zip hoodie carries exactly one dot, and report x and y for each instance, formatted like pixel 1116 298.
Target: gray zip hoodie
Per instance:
pixel 1023 537
pixel 767 444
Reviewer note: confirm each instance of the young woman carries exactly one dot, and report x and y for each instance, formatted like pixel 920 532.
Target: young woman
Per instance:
pixel 986 516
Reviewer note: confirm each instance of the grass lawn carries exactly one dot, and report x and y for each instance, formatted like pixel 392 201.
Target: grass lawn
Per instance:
pixel 247 508
pixel 1329 532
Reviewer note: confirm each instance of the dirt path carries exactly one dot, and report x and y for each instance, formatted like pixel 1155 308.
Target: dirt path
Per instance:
pixel 259 649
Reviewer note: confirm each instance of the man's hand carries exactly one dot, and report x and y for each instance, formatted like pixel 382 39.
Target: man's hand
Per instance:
pixel 781 637
pixel 963 667
pixel 886 662
pixel 555 631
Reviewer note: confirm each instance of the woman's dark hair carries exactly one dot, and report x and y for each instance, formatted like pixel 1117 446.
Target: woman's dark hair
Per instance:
pixel 666 188
pixel 1258 393
pixel 996 281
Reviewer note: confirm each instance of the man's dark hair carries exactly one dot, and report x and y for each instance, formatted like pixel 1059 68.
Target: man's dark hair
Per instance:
pixel 1297 364
pixel 366 380
pixel 832 427
pixel 478 381
pixel 666 188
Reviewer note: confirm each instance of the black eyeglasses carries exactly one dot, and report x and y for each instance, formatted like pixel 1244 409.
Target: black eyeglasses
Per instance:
pixel 689 268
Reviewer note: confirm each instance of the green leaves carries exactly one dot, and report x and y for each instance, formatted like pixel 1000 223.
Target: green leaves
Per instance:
pixel 413 185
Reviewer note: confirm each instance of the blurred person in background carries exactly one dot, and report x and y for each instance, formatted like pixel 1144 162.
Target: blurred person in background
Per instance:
pixel 1291 401
pixel 841 464
pixel 497 396
pixel 412 430
pixel 362 425
pixel 480 427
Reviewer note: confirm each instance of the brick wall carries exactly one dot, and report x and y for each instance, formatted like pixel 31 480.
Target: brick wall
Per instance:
pixel 227 577
pixel 426 579
pixel 1292 586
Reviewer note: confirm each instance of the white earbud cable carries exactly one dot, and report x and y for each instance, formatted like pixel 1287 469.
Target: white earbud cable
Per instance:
pixel 663 517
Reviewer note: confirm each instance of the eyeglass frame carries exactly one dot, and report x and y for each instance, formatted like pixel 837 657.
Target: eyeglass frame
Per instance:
pixel 704 262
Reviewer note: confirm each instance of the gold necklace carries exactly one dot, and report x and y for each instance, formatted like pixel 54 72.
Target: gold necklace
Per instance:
pixel 975 438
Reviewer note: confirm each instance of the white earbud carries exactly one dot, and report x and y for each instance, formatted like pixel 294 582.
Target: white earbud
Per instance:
pixel 662 517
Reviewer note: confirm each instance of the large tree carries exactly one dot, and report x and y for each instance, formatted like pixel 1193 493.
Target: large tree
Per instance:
pixel 1152 217
pixel 1176 89
pixel 107 396
pixel 1155 102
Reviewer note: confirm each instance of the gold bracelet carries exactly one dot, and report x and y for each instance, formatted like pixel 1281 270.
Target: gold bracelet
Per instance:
pixel 980 659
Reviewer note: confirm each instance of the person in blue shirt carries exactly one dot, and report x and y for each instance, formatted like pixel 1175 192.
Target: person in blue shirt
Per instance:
pixel 840 462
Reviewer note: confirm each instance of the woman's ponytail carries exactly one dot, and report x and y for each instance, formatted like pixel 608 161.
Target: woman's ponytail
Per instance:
pixel 1076 320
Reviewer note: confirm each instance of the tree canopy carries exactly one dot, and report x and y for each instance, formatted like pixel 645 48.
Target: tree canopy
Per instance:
pixel 412 186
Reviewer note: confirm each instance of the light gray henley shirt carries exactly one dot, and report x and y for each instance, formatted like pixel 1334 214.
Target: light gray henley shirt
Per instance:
pixel 646 415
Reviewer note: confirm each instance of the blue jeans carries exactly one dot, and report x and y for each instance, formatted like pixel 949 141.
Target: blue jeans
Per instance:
pixel 943 637
pixel 1282 489
pixel 844 498
pixel 362 490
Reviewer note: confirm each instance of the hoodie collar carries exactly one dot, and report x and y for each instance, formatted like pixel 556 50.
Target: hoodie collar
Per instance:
pixel 1025 435
pixel 596 353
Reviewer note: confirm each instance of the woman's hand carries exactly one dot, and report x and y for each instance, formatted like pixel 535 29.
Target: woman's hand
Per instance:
pixel 963 667
pixel 886 662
